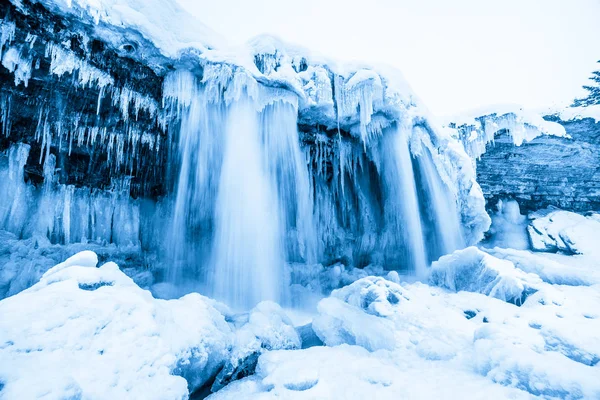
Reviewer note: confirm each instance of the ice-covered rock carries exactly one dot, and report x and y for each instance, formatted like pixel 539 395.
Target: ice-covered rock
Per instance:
pixel 91 332
pixel 378 314
pixel 473 270
pixel 266 327
pixel 568 232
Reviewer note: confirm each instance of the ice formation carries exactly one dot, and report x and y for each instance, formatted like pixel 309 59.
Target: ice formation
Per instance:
pixel 475 132
pixel 475 271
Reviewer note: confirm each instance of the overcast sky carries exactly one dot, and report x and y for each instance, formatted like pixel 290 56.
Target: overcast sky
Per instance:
pixel 457 55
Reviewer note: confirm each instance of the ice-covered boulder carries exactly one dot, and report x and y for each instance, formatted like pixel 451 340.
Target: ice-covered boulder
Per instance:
pixel 568 232
pixel 356 314
pixel 473 270
pixel 378 314
pixel 87 332
pixel 265 327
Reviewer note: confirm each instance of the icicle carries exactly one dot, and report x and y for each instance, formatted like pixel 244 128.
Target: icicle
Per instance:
pixel 7 33
pixel 18 65
pixel 5 106
pixel 64 61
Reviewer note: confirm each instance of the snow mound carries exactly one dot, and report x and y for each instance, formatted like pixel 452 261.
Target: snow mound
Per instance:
pixel 357 314
pixel 266 327
pixel 565 231
pixel 473 270
pixel 78 317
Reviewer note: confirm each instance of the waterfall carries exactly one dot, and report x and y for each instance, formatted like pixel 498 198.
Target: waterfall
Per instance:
pixel 247 260
pixel 404 231
pixel 243 204
pixel 439 204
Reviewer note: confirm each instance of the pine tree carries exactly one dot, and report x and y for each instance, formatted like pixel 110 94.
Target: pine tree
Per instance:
pixel 593 96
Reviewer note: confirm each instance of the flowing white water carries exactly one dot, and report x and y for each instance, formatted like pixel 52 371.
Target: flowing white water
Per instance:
pixel 244 205
pixel 288 171
pixel 248 260
pixel 402 205
pixel 441 207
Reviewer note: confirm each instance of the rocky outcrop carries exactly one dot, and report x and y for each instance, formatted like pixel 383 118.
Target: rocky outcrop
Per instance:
pixel 546 171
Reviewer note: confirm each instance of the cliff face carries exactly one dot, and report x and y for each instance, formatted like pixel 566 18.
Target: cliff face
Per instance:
pixel 547 171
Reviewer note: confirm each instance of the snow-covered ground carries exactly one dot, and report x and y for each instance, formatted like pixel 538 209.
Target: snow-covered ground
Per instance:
pixel 497 324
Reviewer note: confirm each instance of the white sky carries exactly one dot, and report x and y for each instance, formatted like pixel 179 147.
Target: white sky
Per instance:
pixel 457 55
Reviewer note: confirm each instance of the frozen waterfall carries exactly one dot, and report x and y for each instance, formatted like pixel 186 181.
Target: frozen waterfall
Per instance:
pixel 242 174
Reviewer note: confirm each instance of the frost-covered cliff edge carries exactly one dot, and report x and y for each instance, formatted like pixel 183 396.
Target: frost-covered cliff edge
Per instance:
pixel 539 162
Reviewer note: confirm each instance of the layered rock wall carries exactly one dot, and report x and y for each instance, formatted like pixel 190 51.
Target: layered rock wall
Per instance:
pixel 546 171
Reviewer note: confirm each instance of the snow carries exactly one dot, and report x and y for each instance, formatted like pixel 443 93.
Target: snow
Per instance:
pixel 389 340
pixel 577 113
pixel 558 230
pixel 79 315
pixel 165 23
pixel 555 269
pixel 351 372
pixel 468 337
pixel 475 271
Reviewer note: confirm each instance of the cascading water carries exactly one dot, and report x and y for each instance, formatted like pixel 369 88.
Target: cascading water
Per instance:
pixel 403 219
pixel 440 214
pixel 243 205
pixel 239 171
pixel 247 258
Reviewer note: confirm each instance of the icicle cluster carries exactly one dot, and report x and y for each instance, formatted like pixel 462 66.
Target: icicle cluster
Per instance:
pixel 522 127
pixel 63 213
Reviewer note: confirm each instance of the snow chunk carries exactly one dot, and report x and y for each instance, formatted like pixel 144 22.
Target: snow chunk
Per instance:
pixel 356 314
pixel 473 270
pixel 266 327
pixel 565 231
pixel 53 332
